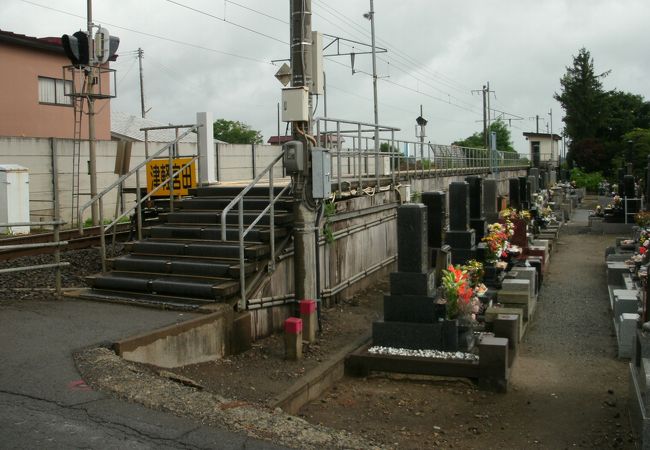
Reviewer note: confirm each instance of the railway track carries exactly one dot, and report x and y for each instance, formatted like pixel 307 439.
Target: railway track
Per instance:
pixel 90 238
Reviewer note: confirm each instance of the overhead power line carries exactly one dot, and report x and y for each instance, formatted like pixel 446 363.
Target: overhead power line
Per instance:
pixel 442 79
pixel 223 19
pixel 163 38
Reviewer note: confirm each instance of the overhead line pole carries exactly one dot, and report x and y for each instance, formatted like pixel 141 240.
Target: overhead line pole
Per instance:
pixel 304 208
pixel 142 109
pixel 374 74
pixel 90 87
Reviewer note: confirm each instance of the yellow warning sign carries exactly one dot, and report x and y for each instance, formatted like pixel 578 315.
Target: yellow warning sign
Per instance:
pixel 158 171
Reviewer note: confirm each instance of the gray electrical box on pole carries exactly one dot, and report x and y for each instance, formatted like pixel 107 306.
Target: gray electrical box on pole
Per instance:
pixel 321 173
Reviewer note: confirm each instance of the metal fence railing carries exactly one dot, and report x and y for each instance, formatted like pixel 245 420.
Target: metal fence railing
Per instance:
pixel 57 265
pixel 356 158
pixel 170 150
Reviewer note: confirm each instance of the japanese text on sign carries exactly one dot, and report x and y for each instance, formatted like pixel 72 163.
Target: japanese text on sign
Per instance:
pixel 158 172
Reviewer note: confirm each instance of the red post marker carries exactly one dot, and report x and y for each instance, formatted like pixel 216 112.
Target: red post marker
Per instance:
pixel 293 338
pixel 309 318
pixel 293 325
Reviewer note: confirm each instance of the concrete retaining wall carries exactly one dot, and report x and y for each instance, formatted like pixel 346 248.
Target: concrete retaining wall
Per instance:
pixel 364 250
pixel 199 340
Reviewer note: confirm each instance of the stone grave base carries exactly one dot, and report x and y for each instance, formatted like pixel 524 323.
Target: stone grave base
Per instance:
pixel 491 372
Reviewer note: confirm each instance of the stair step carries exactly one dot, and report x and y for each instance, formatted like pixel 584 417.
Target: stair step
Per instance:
pixel 218 203
pixel 232 191
pixel 179 266
pixel 213 217
pixel 198 248
pixel 172 231
pixel 151 283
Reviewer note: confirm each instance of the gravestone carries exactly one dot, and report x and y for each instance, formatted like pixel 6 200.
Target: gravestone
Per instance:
pixel 534 172
pixel 543 179
pixel 412 317
pixel 533 181
pixel 477 221
pixel 436 216
pixel 552 178
pixel 524 193
pixel 513 193
pixel 459 206
pixel 460 237
pixel 490 191
pixel 413 249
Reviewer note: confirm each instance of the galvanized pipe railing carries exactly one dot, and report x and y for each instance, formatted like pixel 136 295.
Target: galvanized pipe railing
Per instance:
pixel 438 159
pixel 270 209
pixel 56 224
pixel 99 198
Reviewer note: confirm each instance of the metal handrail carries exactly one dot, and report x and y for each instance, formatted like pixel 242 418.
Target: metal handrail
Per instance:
pixel 270 208
pixel 99 198
pixel 122 178
pixel 57 251
pixel 349 141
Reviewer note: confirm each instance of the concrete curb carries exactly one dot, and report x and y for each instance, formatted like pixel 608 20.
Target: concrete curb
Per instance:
pixel 317 381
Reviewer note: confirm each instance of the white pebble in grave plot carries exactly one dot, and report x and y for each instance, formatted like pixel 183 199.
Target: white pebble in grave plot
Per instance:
pixel 378 350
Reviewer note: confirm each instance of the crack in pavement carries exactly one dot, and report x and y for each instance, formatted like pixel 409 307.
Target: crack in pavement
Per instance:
pixel 121 427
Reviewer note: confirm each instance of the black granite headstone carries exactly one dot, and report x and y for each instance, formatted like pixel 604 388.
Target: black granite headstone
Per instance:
pixel 475 196
pixel 436 216
pixel 513 192
pixel 458 206
pixel 490 193
pixel 524 196
pixel 628 186
pixel 412 248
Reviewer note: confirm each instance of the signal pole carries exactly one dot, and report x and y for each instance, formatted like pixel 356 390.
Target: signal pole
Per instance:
pixel 304 210
pixel 90 88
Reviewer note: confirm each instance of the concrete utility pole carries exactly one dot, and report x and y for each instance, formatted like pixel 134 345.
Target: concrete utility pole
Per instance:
pixel 550 113
pixel 90 87
pixel 304 210
pixel 489 116
pixel 371 15
pixel 537 122
pixel 144 111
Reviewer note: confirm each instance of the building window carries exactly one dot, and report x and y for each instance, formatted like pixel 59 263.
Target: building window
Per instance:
pixel 53 91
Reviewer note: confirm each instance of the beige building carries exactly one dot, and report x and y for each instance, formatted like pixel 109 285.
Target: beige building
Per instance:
pixel 543 149
pixel 32 91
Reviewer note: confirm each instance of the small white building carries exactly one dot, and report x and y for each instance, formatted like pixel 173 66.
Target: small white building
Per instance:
pixel 544 149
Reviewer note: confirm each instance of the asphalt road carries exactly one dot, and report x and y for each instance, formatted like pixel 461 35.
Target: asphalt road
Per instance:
pixel 45 404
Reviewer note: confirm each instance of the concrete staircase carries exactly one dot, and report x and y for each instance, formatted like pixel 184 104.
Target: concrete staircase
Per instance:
pixel 183 262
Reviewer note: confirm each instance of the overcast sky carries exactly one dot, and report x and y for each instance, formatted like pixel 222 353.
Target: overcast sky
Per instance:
pixel 439 51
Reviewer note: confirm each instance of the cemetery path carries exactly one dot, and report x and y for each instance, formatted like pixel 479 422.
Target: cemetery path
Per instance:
pixel 567 389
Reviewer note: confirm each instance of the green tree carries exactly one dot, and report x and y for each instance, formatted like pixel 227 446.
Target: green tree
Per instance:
pixel 582 98
pixel 504 140
pixel 234 132
pixel 635 146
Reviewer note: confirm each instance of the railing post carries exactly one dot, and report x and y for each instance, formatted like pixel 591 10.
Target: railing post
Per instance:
pixel 377 151
pixel 242 272
pixel 171 178
pixel 338 154
pixel 393 157
pixel 57 258
pixel 102 236
pixel 138 208
pixel 272 219
pixel 360 187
